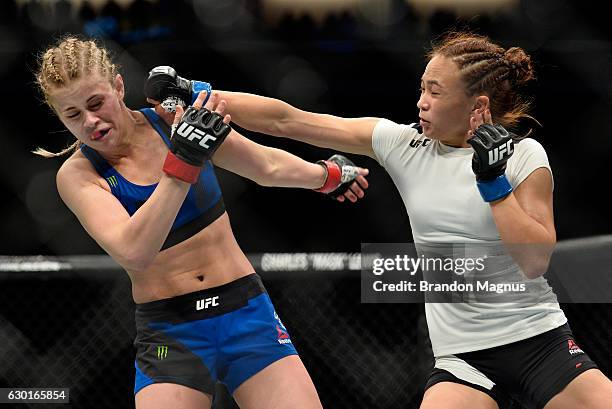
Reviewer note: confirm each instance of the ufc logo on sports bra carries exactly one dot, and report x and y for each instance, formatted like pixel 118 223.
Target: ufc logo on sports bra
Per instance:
pixel 207 302
pixel 191 133
pixel 497 154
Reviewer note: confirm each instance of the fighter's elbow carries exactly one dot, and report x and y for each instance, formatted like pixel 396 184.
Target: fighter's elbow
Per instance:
pixel 265 170
pixel 284 120
pixel 536 267
pixel 130 253
pixel 135 259
pixel 268 175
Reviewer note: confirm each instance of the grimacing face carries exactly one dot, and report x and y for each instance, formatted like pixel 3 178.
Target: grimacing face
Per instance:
pixel 444 107
pixel 91 108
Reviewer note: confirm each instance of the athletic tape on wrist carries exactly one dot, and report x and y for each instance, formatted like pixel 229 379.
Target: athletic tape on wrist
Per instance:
pixel 495 189
pixel 333 179
pixel 174 166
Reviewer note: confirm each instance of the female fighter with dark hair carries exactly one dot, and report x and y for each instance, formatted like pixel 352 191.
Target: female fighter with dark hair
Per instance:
pixel 465 179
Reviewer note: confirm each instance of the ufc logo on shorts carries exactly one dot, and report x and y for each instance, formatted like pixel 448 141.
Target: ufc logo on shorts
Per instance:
pixel 207 302
pixel 191 133
pixel 497 154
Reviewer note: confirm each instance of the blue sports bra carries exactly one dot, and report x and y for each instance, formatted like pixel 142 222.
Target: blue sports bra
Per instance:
pixel 202 206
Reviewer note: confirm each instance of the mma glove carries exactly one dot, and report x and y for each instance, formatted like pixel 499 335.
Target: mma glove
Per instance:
pixel 340 173
pixel 194 140
pixel 166 86
pixel 493 146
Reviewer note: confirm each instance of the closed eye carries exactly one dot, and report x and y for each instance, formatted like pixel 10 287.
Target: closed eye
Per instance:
pixel 421 90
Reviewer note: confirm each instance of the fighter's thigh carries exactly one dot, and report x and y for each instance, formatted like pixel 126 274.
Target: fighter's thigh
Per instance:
pixel 282 384
pixel 170 395
pixel 590 390
pixel 450 395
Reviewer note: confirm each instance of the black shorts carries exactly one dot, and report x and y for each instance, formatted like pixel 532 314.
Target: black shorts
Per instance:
pixel 532 370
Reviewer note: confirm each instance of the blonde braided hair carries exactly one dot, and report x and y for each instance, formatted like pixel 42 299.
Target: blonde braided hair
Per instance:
pixel 70 59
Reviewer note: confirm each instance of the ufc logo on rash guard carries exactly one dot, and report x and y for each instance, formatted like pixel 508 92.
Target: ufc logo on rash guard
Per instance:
pixel 497 154
pixel 415 143
pixel 191 133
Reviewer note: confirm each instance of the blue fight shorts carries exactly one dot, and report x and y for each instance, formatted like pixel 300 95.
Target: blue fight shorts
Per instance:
pixel 226 333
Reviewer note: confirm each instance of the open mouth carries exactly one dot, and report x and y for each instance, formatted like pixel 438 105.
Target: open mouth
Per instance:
pixel 97 135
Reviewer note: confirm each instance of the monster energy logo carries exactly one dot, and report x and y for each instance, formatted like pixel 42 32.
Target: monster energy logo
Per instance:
pixel 112 181
pixel 162 351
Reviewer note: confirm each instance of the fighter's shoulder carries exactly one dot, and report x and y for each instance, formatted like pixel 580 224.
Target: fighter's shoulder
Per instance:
pixel 528 147
pixel 400 132
pixel 77 170
pixel 418 138
pixel 527 144
pixel 528 156
pixel 398 141
pixel 75 164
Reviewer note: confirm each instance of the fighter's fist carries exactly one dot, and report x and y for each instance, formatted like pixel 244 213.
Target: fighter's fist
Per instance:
pixel 493 146
pixel 343 179
pixel 196 135
pixel 166 87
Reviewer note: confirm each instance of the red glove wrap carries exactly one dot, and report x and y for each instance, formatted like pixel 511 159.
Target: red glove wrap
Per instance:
pixel 334 176
pixel 174 166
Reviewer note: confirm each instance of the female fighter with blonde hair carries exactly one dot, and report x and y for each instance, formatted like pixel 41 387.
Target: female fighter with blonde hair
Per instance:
pixel 151 200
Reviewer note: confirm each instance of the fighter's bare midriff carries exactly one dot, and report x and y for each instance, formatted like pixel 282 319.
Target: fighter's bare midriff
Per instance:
pixel 209 259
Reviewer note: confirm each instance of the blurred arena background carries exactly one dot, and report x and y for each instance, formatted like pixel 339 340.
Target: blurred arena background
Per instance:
pixel 66 316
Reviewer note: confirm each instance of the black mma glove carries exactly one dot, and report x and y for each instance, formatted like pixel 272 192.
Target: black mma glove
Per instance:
pixel 340 174
pixel 194 140
pixel 166 86
pixel 493 146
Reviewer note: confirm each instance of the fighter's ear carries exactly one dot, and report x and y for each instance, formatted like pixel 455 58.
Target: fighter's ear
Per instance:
pixel 118 86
